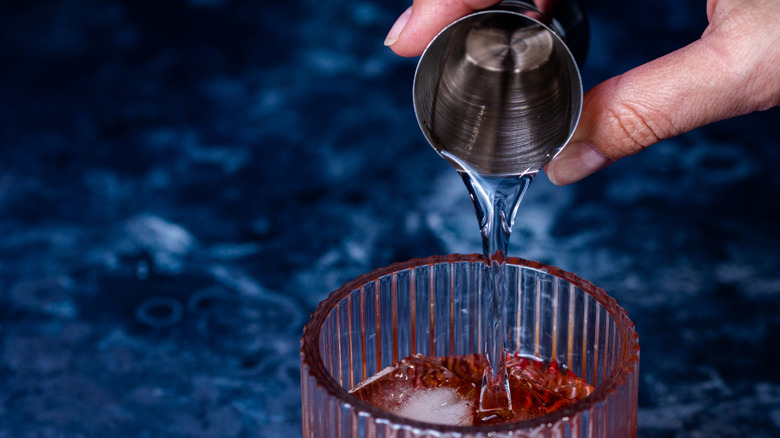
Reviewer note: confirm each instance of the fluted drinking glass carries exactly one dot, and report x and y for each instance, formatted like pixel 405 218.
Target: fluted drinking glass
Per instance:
pixel 436 307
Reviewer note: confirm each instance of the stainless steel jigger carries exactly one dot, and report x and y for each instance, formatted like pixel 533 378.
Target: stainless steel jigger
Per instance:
pixel 498 92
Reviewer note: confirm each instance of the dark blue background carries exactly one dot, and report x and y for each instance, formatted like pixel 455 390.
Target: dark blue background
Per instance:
pixel 182 181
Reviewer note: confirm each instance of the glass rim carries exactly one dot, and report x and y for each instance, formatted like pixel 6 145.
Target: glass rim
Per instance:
pixel 627 362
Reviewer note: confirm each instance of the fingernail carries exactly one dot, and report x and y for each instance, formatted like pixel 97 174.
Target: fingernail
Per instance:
pixel 395 31
pixel 574 162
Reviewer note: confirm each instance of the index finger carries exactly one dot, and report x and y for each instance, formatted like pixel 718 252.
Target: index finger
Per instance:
pixel 426 18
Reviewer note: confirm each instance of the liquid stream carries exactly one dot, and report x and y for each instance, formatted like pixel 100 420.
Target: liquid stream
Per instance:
pixel 496 200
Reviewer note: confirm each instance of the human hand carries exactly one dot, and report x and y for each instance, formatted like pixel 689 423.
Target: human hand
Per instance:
pixel 734 69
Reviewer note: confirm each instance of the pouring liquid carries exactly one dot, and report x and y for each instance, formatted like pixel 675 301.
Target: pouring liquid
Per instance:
pixel 496 200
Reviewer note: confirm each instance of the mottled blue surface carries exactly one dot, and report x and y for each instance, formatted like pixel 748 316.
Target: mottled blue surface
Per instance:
pixel 182 181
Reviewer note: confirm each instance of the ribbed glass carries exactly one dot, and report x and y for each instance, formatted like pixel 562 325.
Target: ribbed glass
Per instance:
pixel 436 306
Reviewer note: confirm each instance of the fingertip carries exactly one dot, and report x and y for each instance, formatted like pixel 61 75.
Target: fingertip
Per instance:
pixel 420 23
pixel 576 161
pixel 412 32
pixel 398 27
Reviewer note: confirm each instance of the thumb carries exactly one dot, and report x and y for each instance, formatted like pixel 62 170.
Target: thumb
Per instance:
pixel 712 79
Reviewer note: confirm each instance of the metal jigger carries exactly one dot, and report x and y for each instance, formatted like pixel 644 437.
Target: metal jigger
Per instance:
pixel 498 92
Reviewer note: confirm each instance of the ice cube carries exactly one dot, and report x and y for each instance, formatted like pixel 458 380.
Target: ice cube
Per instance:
pixel 421 388
pixel 438 406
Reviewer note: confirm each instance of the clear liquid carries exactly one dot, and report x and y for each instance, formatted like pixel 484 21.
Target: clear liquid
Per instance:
pixel 496 200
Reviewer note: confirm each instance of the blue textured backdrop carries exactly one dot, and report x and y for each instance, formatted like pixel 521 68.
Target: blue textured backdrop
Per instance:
pixel 182 181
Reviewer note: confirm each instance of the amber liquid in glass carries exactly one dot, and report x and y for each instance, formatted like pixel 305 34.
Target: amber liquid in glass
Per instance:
pixel 446 390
